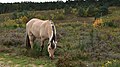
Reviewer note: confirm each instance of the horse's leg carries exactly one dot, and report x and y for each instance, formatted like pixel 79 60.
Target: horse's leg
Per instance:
pixel 32 38
pixel 42 45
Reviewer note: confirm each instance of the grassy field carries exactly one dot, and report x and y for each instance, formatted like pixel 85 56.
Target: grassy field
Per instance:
pixel 80 44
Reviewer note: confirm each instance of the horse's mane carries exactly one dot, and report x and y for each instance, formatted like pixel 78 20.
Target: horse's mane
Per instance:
pixel 53 36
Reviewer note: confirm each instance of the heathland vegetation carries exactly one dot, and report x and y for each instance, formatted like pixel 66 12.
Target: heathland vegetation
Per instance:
pixel 88 33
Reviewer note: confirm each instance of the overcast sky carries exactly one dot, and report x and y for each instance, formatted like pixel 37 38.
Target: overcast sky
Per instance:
pixel 11 1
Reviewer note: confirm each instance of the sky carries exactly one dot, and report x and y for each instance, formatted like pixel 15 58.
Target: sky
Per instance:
pixel 11 1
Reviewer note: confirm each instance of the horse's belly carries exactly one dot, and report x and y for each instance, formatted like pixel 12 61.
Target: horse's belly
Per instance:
pixel 36 34
pixel 35 31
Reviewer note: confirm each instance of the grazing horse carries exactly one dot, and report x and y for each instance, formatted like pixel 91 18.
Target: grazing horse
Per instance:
pixel 36 28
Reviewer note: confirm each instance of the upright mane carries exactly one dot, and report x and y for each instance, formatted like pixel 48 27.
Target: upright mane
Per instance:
pixel 53 36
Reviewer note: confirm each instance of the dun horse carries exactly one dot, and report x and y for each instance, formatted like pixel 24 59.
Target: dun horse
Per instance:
pixel 44 30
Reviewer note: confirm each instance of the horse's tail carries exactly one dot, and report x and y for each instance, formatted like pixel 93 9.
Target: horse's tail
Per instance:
pixel 27 41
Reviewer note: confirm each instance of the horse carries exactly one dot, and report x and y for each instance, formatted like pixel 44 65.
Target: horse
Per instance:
pixel 42 29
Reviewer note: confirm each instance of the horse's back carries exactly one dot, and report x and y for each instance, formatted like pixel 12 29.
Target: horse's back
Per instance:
pixel 46 29
pixel 38 27
pixel 30 23
pixel 32 27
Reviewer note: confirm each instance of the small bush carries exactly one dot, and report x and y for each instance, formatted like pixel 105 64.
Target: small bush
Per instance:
pixel 113 63
pixel 81 11
pixel 85 11
pixel 60 16
pixel 23 14
pixel 74 11
pixel 68 10
pixel 24 19
pixel 35 52
pixel 93 10
pixel 57 16
pixel 44 17
pixel 9 24
pixel 72 59
pixel 109 24
pixel 103 10
pixel 67 61
pixel 11 42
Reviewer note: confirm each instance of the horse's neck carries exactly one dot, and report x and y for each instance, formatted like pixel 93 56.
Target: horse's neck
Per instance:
pixel 50 28
pixel 53 34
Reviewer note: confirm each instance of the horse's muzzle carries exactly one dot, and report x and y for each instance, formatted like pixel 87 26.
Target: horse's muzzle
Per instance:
pixel 52 57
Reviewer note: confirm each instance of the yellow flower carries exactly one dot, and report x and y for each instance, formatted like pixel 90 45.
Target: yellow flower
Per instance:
pixel 109 62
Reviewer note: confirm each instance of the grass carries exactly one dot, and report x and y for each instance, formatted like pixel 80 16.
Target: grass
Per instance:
pixel 24 61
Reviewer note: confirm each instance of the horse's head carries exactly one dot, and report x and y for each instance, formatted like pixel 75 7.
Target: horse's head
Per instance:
pixel 51 49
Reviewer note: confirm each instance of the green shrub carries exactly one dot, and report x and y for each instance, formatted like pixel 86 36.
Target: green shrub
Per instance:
pixel 35 52
pixel 68 61
pixel 109 24
pixel 103 10
pixel 24 19
pixel 11 42
pixel 85 11
pixel 9 24
pixel 14 15
pixel 81 11
pixel 93 10
pixel 113 63
pixel 20 23
pixel 44 17
pixel 68 10
pixel 74 11
pixel 57 16
pixel 28 15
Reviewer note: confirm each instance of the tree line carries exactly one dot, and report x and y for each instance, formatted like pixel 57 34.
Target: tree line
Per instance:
pixel 34 6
